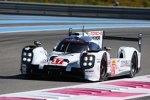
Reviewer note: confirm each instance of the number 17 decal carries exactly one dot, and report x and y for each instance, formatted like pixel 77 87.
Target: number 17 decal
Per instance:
pixel 57 61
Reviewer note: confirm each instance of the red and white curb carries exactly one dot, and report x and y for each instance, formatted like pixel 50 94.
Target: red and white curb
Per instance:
pixel 110 90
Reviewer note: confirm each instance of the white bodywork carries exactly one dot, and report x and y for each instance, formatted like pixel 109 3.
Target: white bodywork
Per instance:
pixel 115 66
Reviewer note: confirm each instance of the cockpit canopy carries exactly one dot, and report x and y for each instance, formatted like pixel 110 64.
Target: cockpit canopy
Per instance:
pixel 76 45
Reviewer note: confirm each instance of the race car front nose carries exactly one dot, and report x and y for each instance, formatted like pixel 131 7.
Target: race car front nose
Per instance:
pixel 65 60
pixel 87 61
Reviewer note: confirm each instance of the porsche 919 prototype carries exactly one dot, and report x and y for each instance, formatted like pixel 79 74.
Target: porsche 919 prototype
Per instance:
pixel 82 54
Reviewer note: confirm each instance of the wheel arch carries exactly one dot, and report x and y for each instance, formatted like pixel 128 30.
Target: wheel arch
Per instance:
pixel 92 74
pixel 104 63
pixel 127 52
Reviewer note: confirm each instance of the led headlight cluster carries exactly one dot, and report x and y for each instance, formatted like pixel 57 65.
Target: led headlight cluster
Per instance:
pixel 27 54
pixel 87 61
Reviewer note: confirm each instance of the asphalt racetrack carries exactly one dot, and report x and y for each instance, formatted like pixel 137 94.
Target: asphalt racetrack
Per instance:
pixel 10 54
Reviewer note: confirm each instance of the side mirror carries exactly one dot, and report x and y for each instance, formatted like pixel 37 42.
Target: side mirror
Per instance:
pixel 37 43
pixel 54 49
pixel 107 48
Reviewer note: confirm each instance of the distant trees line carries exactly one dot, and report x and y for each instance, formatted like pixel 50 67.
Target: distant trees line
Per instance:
pixel 131 3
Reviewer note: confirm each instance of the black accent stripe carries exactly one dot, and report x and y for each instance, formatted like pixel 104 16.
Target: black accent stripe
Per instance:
pixel 121 38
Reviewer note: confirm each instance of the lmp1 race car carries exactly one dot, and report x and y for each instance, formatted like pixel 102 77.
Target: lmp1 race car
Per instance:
pixel 82 54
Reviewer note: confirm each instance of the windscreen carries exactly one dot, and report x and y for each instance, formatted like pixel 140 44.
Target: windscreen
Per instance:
pixel 72 46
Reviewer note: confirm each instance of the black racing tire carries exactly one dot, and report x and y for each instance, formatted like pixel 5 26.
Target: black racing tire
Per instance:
pixel 24 70
pixel 103 68
pixel 134 65
pixel 29 74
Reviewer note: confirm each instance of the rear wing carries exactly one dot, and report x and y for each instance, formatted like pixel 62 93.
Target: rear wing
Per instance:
pixel 98 36
pixel 138 39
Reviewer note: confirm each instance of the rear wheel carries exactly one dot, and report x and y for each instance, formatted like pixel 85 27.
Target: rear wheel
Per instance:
pixel 103 68
pixel 134 65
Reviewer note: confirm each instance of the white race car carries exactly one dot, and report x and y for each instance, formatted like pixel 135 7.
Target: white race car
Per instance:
pixel 83 55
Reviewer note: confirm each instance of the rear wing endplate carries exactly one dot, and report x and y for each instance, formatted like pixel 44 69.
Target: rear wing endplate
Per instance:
pixel 138 39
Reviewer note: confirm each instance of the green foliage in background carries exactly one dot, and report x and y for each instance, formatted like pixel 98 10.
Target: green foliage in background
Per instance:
pixel 130 3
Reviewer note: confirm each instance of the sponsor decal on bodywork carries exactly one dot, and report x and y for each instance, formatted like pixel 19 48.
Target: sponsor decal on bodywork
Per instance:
pixel 95 35
pixel 113 67
pixel 125 63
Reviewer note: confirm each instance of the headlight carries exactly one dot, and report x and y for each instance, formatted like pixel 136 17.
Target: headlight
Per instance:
pixel 29 54
pixel 90 63
pixel 24 59
pixel 84 64
pixel 87 61
pixel 27 57
pixel 85 58
pixel 28 60
pixel 91 58
pixel 24 54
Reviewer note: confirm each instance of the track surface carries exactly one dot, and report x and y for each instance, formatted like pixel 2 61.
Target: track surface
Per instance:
pixel 10 52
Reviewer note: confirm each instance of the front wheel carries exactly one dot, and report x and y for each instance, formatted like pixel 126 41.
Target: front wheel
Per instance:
pixel 134 65
pixel 27 72
pixel 103 68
